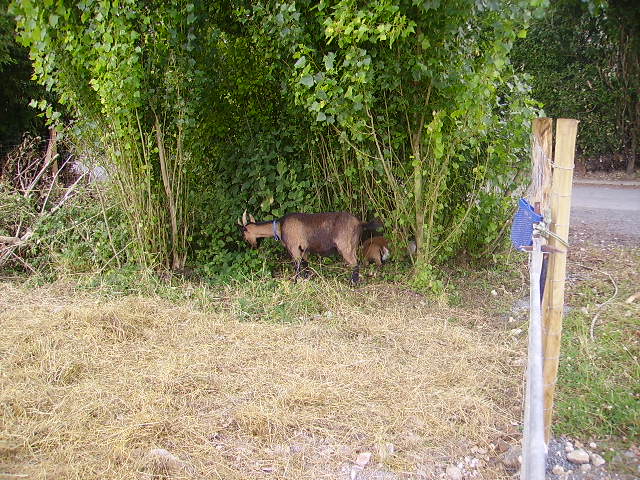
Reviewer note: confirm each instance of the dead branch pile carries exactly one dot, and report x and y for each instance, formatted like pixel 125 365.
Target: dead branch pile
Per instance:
pixel 34 184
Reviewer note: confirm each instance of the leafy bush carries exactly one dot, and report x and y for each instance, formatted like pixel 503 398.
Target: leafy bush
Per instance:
pixel 435 120
pixel 409 113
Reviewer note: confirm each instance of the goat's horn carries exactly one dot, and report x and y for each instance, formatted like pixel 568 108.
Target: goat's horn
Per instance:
pixel 244 218
pixel 253 220
pixel 240 222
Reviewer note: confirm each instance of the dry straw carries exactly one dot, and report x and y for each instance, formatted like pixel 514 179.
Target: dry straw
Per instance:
pixel 98 388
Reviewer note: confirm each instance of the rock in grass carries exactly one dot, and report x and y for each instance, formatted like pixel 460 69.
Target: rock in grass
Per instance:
pixel 578 456
pixel 161 462
pixel 363 459
pixel 596 459
pixel 558 470
pixel 502 445
pixel 512 457
pixel 453 473
pixel 385 451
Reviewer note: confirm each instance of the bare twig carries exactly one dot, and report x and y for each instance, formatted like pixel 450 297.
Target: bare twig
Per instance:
pixel 67 195
pixel 23 262
pixel 33 183
pixel 16 241
pixel 54 182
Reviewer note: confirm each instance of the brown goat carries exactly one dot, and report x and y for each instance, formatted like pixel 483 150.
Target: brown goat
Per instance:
pixel 376 250
pixel 305 233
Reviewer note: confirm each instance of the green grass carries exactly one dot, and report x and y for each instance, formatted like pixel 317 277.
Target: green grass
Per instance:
pixel 598 393
pixel 276 300
pixel 599 389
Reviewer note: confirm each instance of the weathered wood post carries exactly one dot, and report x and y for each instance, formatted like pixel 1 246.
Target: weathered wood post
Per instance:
pixel 553 303
pixel 533 448
pixel 541 153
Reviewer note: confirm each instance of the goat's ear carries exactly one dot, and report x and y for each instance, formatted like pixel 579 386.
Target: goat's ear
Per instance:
pixel 244 217
pixel 253 220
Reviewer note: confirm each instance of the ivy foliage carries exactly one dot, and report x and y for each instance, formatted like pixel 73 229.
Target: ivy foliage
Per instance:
pixel 123 69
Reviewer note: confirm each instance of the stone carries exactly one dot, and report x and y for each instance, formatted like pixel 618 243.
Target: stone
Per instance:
pixel 363 459
pixel 512 457
pixel 585 468
pixel 385 451
pixel 596 459
pixel 558 470
pixel 163 463
pixel 502 445
pixel 593 445
pixel 578 456
pixel 568 447
pixel 454 473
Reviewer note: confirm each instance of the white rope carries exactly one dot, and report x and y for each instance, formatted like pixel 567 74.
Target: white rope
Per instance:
pixel 601 306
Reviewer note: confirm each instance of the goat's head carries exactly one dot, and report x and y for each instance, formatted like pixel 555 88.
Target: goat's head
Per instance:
pixel 248 229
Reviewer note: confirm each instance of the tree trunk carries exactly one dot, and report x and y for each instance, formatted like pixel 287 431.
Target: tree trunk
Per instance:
pixel 631 160
pixel 417 188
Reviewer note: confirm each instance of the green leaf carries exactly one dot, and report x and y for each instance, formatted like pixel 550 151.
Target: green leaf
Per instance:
pixel 328 60
pixel 307 81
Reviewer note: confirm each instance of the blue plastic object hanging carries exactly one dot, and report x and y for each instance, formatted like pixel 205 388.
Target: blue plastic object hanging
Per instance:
pixel 522 226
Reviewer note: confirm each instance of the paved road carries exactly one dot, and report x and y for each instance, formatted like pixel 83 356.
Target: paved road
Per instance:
pixel 606 213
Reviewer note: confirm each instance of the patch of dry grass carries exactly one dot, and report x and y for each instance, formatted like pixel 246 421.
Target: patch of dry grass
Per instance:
pixel 90 386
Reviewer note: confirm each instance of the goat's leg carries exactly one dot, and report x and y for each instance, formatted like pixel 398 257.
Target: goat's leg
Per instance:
pixel 304 265
pixel 302 269
pixel 355 275
pixel 297 259
pixel 297 264
pixel 352 260
pixel 300 260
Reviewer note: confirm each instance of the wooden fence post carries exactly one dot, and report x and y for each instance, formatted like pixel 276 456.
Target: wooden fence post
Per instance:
pixel 553 305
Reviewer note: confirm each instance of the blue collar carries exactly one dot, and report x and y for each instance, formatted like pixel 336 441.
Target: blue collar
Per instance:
pixel 275 231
